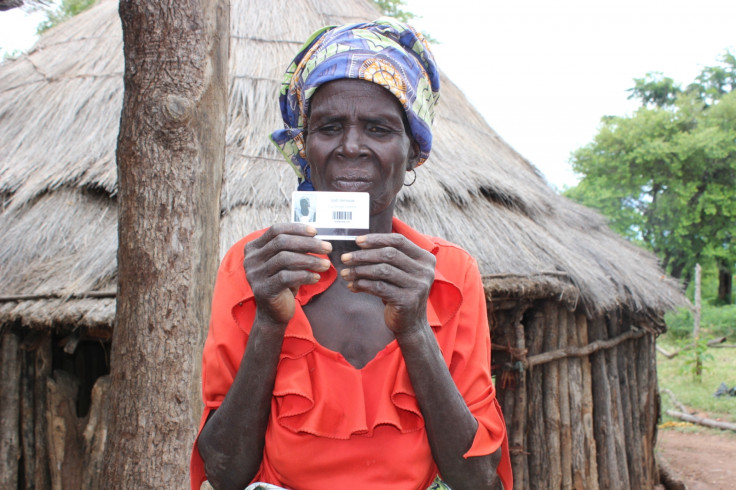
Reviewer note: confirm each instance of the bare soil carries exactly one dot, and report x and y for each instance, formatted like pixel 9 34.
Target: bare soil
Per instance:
pixel 702 460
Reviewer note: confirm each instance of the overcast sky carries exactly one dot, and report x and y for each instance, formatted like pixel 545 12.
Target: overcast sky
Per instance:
pixel 544 72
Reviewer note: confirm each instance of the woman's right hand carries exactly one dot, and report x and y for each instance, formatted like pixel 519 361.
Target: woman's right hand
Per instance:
pixel 278 262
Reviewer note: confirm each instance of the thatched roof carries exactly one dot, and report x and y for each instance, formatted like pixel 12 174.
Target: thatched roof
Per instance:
pixel 59 115
pixel 11 4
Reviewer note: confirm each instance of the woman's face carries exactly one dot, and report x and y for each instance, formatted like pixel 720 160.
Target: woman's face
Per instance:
pixel 356 141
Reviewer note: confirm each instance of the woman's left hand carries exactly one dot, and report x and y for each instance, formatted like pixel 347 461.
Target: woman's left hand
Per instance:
pixel 396 270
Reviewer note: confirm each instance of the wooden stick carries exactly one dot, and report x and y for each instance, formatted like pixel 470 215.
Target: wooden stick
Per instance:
pixel 668 478
pixel 715 424
pixel 571 351
pixel 711 343
pixel 34 297
pixel 674 400
pixel 666 354
pixel 537 274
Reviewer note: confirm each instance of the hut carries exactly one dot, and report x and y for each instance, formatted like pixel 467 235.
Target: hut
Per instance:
pixel 574 309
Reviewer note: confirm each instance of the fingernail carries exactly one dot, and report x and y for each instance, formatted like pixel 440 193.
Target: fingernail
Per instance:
pixel 325 264
pixel 344 273
pixel 346 258
pixel 315 278
pixel 327 247
pixel 360 239
pixel 311 230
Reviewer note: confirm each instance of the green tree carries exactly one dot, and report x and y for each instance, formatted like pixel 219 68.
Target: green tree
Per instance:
pixel 666 175
pixel 394 8
pixel 65 10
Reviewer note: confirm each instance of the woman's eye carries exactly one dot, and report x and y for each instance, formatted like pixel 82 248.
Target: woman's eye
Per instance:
pixel 329 128
pixel 379 130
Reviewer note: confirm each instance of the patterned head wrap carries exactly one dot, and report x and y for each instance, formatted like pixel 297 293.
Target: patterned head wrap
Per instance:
pixel 386 52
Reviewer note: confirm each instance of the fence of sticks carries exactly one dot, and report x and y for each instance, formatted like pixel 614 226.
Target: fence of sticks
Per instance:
pixel 579 394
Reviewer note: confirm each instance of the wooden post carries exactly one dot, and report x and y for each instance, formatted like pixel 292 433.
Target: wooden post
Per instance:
pixel 616 380
pixel 698 305
pixel 696 322
pixel 551 390
pixel 170 159
pixel 565 386
pixel 64 434
pixel 576 393
pixel 648 407
pixel 95 434
pixel 36 369
pixel 586 410
pixel 538 449
pixel 603 422
pixel 517 437
pixel 631 434
pixel 10 375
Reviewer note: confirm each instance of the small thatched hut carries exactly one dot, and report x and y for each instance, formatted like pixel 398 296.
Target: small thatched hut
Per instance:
pixel 574 308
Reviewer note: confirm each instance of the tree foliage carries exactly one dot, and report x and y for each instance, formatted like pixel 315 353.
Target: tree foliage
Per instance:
pixel 63 11
pixel 666 175
pixel 394 8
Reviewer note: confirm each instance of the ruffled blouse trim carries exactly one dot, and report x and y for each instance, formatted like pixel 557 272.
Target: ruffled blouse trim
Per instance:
pixel 319 392
pixel 350 401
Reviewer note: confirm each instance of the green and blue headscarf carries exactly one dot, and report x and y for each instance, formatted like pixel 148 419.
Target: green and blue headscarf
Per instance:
pixel 386 52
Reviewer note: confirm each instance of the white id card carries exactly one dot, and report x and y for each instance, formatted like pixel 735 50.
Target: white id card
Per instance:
pixel 336 215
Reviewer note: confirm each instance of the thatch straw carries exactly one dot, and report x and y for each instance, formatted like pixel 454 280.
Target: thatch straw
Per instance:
pixel 59 113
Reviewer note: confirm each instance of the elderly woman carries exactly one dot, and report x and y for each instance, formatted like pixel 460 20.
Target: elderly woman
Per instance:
pixel 358 364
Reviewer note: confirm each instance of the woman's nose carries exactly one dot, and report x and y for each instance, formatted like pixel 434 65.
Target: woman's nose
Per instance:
pixel 352 144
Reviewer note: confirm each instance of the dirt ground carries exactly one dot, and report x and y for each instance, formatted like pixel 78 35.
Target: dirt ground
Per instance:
pixel 703 461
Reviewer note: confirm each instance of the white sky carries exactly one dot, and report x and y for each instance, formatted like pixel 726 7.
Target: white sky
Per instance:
pixel 543 72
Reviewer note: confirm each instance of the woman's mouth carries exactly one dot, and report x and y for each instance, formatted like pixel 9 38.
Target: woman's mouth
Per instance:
pixel 351 184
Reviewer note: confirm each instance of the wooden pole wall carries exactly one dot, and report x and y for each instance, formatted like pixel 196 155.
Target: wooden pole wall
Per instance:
pixel 585 419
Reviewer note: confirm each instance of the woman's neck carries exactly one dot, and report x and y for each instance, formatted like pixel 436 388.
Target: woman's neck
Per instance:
pixel 383 221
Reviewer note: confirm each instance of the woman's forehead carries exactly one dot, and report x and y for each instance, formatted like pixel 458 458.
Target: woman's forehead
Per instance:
pixel 347 95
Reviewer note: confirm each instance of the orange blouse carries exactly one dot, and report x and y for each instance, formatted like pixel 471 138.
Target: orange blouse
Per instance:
pixel 335 426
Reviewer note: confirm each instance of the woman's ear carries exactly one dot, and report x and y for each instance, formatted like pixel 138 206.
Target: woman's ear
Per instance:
pixel 414 153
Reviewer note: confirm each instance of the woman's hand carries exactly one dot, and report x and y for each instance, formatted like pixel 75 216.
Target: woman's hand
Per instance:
pixel 396 270
pixel 278 262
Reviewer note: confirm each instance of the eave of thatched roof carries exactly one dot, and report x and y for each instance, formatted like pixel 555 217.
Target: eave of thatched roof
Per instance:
pixel 59 112
pixel 10 4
